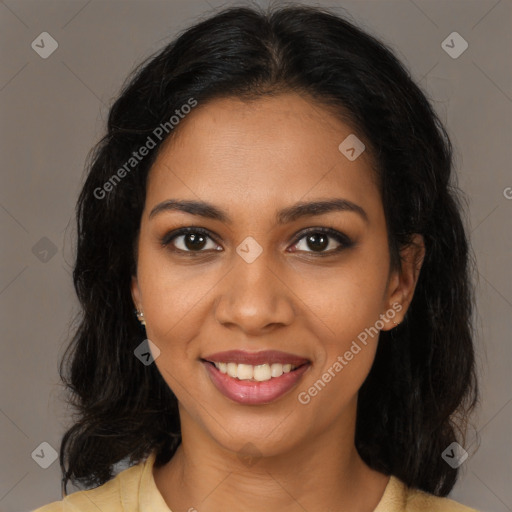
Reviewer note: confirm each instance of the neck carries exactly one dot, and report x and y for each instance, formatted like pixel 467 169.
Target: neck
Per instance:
pixel 324 473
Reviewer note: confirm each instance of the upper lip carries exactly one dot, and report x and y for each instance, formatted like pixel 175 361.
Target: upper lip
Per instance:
pixel 256 358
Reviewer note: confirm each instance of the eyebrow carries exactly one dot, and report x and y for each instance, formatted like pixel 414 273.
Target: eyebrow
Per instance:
pixel 288 214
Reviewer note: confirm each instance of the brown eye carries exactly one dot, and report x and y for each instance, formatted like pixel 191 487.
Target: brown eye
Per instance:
pixel 193 241
pixel 190 240
pixel 317 240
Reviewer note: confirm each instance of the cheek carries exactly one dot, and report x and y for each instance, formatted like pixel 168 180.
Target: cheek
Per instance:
pixel 349 303
pixel 345 356
pixel 350 298
pixel 172 293
pixel 169 301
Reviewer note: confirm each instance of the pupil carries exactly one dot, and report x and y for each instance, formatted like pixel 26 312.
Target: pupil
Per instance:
pixel 193 241
pixel 313 241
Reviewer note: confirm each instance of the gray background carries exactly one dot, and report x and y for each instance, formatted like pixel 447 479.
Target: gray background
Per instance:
pixel 53 110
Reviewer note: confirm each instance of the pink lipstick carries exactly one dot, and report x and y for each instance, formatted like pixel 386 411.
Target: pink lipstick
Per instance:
pixel 255 378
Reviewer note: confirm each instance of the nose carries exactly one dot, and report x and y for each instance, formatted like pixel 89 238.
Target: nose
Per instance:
pixel 255 298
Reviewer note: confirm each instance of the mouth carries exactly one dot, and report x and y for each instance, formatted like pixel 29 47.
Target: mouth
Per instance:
pixel 255 378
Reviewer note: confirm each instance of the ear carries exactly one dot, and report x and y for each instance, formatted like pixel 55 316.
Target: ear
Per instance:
pixel 402 282
pixel 136 295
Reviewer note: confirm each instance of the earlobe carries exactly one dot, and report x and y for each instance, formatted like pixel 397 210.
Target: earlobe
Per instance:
pixel 137 300
pixel 404 280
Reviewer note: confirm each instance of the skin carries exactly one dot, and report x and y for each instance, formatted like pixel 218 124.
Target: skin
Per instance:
pixel 252 159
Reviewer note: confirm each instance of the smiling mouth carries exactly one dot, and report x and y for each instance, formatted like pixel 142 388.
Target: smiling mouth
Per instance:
pixel 255 378
pixel 254 384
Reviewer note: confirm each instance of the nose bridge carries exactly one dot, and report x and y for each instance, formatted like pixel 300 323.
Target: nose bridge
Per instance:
pixel 253 295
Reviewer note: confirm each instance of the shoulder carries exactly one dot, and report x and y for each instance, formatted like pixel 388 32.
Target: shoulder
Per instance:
pixel 419 501
pixel 400 498
pixel 117 495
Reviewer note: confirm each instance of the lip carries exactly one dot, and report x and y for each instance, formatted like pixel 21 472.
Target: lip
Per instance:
pixel 256 358
pixel 253 392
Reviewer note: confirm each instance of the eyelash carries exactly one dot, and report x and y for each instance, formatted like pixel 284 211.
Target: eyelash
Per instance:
pixel 344 241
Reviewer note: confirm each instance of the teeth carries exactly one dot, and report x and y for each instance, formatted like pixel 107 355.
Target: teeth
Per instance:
pixel 262 372
pixel 245 371
pixel 259 373
pixel 231 369
pixel 276 370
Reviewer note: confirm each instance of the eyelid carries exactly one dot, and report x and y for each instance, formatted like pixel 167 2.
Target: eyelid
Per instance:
pixel 172 235
pixel 340 237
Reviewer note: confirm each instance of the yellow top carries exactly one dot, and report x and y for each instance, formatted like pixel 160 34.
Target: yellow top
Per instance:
pixel 134 490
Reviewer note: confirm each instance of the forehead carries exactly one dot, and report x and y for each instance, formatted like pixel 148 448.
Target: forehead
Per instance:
pixel 277 149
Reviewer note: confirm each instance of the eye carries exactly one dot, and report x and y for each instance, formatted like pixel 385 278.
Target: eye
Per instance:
pixel 319 239
pixel 195 240
pixel 190 240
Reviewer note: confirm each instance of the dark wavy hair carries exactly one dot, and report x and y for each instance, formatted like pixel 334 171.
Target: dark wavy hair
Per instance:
pixel 419 394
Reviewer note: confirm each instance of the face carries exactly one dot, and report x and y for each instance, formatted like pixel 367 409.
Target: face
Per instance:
pixel 260 281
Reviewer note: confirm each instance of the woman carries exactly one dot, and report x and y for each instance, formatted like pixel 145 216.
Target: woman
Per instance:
pixel 274 197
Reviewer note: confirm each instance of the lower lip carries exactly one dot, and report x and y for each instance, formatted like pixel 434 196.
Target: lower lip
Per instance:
pixel 252 392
